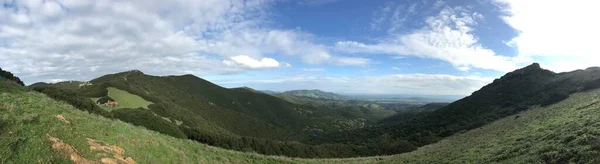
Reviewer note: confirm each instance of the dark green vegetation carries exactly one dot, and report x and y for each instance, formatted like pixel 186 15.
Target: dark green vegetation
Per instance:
pixel 74 98
pixel 565 132
pixel 7 76
pixel 410 113
pixel 513 93
pixel 145 118
pixel 26 117
pixel 240 118
pixel 538 117
pixel 246 120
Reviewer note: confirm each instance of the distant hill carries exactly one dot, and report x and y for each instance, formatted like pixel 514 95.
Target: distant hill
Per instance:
pixel 7 76
pixel 514 92
pixel 269 92
pixel 315 94
pixel 410 113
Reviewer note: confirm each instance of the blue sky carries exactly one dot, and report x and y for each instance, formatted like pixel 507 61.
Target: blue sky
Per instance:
pixel 431 47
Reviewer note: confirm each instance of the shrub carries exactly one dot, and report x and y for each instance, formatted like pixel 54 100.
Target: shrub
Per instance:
pixel 11 77
pixel 145 118
pixel 77 100
pixel 104 99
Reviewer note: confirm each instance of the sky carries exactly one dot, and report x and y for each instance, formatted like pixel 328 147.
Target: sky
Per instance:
pixel 428 47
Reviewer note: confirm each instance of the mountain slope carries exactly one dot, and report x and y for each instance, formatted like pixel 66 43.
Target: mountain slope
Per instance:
pixel 7 76
pixel 566 132
pixel 239 118
pixel 29 120
pixel 513 93
pixel 242 111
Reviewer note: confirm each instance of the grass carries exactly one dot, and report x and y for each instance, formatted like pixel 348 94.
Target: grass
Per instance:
pixel 28 116
pixel 125 100
pixel 566 132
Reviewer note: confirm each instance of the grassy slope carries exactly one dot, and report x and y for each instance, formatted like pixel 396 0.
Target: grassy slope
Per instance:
pixel 28 116
pixel 125 100
pixel 558 133
pixel 567 130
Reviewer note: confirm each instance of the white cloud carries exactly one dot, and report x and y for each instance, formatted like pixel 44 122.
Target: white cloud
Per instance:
pixel 72 39
pixel 246 61
pixel 350 61
pixel 561 35
pixel 420 84
pixel 313 69
pixel 447 37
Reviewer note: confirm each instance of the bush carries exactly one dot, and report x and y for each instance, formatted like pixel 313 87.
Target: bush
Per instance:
pixel 145 118
pixel 2 124
pixel 104 100
pixel 11 77
pixel 77 100
pixel 554 98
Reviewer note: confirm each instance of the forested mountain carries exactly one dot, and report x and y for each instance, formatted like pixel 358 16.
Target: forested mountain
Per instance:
pixel 236 118
pixel 410 113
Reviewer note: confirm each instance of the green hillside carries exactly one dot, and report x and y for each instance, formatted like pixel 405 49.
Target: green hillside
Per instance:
pixel 566 132
pixel 31 123
pixel 28 119
pixel 9 77
pixel 514 92
pixel 245 120
pixel 240 119
pixel 125 99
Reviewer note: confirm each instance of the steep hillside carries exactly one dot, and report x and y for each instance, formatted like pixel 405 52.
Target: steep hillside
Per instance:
pixel 512 93
pixel 7 76
pixel 37 129
pixel 242 111
pixel 238 118
pixel 566 132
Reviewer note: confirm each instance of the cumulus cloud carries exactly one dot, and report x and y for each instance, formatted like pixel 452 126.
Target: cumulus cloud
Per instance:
pixel 561 35
pixel 246 61
pixel 71 39
pixel 447 36
pixel 350 61
pixel 419 84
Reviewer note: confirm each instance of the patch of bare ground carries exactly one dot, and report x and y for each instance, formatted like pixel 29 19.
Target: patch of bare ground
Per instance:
pixel 72 154
pixel 62 118
pixel 117 152
pixel 67 150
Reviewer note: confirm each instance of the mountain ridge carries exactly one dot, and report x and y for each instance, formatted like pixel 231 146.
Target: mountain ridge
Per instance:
pixel 512 93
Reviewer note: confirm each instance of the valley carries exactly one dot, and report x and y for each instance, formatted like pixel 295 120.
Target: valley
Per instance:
pixel 528 115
